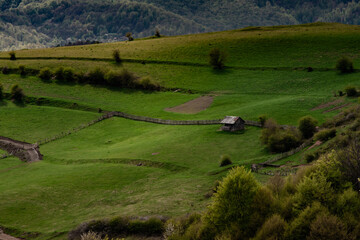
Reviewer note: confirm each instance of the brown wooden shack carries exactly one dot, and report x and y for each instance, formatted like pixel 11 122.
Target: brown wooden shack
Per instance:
pixel 232 124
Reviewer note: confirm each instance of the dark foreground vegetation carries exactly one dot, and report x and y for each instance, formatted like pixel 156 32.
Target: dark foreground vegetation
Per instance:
pixel 320 201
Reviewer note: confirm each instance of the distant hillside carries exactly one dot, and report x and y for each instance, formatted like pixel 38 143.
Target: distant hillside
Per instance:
pixel 43 23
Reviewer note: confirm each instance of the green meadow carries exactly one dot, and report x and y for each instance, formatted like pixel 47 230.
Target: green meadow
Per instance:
pixel 121 167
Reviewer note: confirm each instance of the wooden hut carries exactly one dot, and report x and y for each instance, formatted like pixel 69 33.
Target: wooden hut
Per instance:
pixel 232 124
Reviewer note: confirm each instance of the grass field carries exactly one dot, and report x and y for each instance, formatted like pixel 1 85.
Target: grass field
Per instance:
pixel 93 173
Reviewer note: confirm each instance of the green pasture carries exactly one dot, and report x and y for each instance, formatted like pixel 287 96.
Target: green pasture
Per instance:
pixel 123 167
pixel 315 45
pixel 32 123
pixel 84 176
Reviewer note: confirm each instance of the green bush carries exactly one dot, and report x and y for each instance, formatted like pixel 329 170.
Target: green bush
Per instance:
pixel 307 126
pixel 68 75
pixel 45 74
pixel 299 228
pixel 314 188
pixel 232 202
pixel 22 70
pixel 310 157
pixel 116 56
pixel 59 74
pixel 344 65
pixel 16 93
pixel 273 228
pixel 217 58
pixel 270 128
pixel 351 91
pixel 12 55
pixel 225 160
pixel 283 142
pixel 327 227
pixel 129 36
pixel 96 76
pixel 148 84
pixel 325 135
pixel 5 70
pixel 151 227
pixel 263 119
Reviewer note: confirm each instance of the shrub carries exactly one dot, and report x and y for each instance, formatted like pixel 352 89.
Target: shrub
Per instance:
pixel 5 70
pixel 325 134
pixel 270 128
pixel 22 70
pixel 157 33
pixel 151 227
pixel 313 188
pixel 225 160
pixel 283 142
pixel 68 75
pixel 90 236
pixel 59 74
pixel 217 58
pixel 327 227
pixel 232 202
pixel 307 126
pixel 121 79
pixel 116 56
pixel 129 36
pixel 299 228
pixel 344 65
pixel 310 157
pixel 276 184
pixel 12 55
pixel 96 76
pixel 16 93
pixel 262 119
pixel 273 228
pixel 348 202
pixel 148 83
pixel 45 74
pixel 351 91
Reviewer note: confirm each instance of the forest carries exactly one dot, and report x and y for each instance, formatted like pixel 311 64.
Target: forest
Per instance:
pixel 48 23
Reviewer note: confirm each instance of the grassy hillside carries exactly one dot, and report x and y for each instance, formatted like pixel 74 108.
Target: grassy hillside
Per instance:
pixel 95 173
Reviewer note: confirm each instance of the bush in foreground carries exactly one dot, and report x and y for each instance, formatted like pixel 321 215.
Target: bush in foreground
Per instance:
pixel 307 126
pixel 217 58
pixel 16 93
pixel 45 74
pixel 351 91
pixel 225 160
pixel 116 56
pixel 345 65
pixel 12 55
pixel 325 135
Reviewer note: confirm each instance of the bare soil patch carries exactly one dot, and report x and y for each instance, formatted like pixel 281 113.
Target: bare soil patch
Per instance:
pixel 337 107
pixel 194 106
pixel 318 143
pixel 4 236
pixel 328 104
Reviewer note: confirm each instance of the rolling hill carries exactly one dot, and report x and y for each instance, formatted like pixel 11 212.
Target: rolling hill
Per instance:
pixel 122 167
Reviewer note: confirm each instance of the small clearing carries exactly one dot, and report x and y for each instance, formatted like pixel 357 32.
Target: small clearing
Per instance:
pixel 328 104
pixel 194 106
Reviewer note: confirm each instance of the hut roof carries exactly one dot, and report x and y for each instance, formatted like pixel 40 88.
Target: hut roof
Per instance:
pixel 231 120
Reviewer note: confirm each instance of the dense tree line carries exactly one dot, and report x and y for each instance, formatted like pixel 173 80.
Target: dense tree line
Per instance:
pixel 41 23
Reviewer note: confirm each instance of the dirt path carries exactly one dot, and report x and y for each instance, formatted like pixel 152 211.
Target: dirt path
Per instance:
pixel 194 106
pixel 337 107
pixel 4 236
pixel 25 151
pixel 328 104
